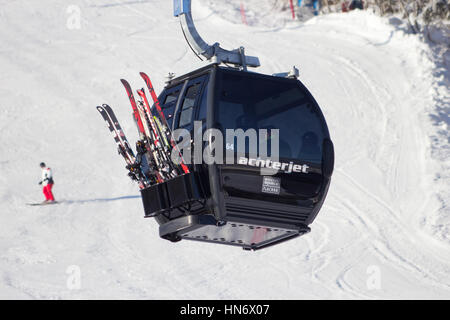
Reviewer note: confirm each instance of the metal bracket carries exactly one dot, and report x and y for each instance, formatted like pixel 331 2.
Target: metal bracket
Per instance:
pixel 293 74
pixel 214 53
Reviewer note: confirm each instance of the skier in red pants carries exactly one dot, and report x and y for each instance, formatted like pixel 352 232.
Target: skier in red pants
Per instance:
pixel 47 183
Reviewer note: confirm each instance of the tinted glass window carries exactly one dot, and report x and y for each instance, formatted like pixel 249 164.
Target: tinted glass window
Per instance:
pixel 188 104
pixel 170 102
pixel 186 117
pixel 249 102
pixel 171 97
pixel 204 105
pixel 191 95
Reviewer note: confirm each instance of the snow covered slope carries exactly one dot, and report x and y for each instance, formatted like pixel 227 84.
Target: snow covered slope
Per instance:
pixel 385 217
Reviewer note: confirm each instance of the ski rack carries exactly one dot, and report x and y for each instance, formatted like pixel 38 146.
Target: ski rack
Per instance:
pixel 214 53
pixel 175 193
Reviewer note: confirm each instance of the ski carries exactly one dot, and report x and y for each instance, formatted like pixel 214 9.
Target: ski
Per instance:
pixel 42 203
pixel 151 146
pixel 150 118
pixel 112 129
pixel 161 153
pixel 151 163
pixel 135 167
pixel 122 144
pixel 166 127
pixel 136 114
pixel 147 162
pixel 142 146
pixel 161 129
pixel 119 131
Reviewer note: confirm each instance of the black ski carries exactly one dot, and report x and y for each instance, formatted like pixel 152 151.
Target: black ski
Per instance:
pixel 119 131
pixel 123 146
pixel 42 203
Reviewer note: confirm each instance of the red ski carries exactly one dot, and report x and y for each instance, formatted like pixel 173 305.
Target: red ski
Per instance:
pixel 163 117
pixel 141 93
pixel 155 135
pixel 137 117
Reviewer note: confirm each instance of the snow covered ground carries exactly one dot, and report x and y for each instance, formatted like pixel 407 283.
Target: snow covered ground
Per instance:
pixel 383 231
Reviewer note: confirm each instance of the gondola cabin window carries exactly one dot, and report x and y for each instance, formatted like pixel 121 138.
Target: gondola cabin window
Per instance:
pixel 249 102
pixel 187 108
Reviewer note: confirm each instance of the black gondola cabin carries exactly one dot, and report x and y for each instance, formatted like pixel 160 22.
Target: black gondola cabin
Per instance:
pixel 236 203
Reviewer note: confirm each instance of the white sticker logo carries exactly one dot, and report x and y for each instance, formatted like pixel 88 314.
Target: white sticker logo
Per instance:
pixel 271 185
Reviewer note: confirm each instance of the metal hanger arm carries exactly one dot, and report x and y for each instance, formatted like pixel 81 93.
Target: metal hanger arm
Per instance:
pixel 214 53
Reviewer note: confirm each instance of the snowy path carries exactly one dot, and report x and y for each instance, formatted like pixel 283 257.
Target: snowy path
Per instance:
pixel 375 86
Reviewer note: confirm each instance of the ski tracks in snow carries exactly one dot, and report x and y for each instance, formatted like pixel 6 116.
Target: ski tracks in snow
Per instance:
pixel 396 152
